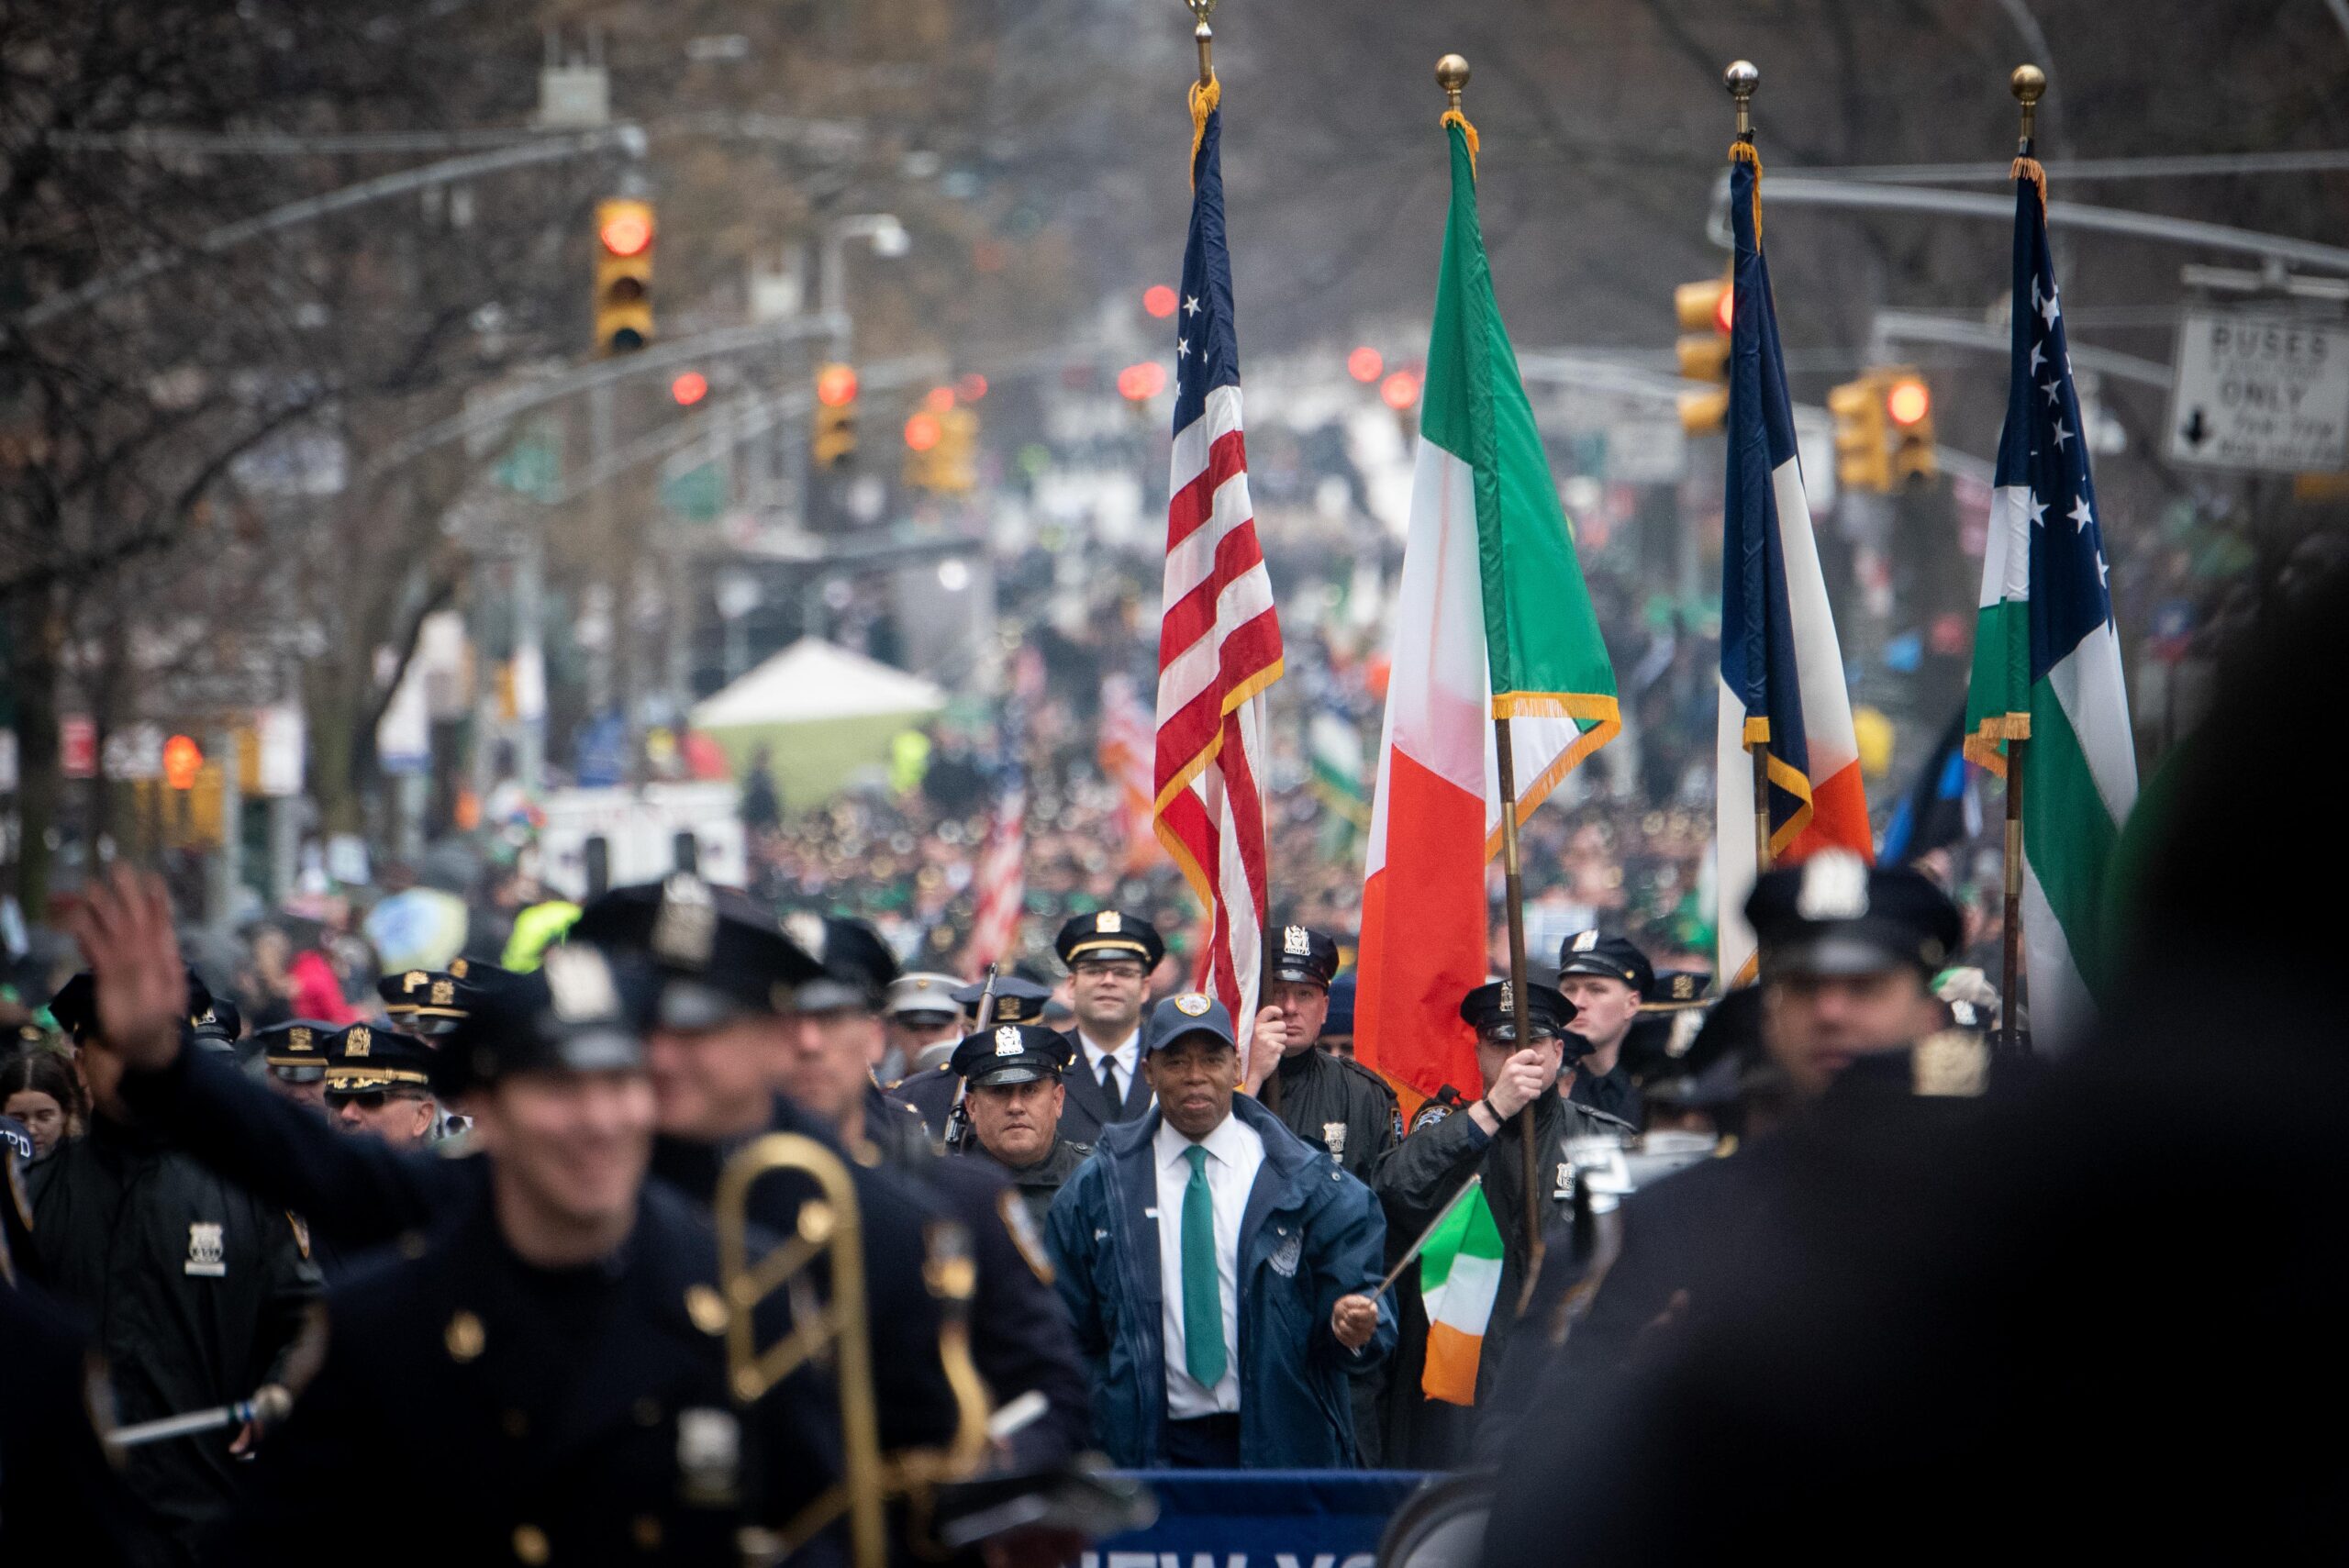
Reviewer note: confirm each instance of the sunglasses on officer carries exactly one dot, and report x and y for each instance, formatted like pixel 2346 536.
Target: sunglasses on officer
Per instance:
pixel 368 1099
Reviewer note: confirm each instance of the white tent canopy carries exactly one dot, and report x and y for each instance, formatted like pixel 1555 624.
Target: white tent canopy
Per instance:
pixel 812 680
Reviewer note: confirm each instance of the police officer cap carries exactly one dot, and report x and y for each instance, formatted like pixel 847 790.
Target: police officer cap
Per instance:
pixel 295 1050
pixel 1183 1015
pixel 1340 1021
pixel 858 967
pixel 1676 990
pixel 923 994
pixel 716 953
pixel 1011 1053
pixel 1306 957
pixel 577 1012
pixel 428 1000
pixel 1490 1010
pixel 1611 958
pixel 211 1023
pixel 1110 933
pixel 367 1057
pixel 1018 1000
pixel 1836 915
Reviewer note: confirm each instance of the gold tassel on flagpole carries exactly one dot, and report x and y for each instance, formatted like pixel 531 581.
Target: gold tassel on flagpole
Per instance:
pixel 1206 92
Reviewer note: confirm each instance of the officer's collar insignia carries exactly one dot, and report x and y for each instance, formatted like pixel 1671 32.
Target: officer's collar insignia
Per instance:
pixel 1192 1006
pixel 684 929
pixel 1108 920
pixel 1834 886
pixel 1298 940
pixel 1586 941
pixel 358 1042
pixel 1954 1062
pixel 1021 1226
pixel 1007 1040
pixel 579 984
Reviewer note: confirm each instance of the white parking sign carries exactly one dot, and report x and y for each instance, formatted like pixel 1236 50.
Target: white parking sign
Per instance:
pixel 2261 392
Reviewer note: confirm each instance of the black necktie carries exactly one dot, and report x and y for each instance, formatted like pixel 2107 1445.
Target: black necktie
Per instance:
pixel 1110 1081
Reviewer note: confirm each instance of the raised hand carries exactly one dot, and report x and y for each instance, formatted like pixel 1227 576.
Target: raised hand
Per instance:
pixel 124 927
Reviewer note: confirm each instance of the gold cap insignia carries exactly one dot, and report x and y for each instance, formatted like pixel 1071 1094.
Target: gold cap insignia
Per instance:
pixel 1108 920
pixel 444 992
pixel 358 1042
pixel 1192 1006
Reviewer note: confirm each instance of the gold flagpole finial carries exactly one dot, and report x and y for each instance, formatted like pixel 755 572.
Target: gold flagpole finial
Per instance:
pixel 2029 84
pixel 1452 75
pixel 1741 77
pixel 1203 36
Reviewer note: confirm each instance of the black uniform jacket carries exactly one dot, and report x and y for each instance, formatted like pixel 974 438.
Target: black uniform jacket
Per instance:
pixel 59 1501
pixel 556 1415
pixel 1341 1104
pixel 194 1290
pixel 1088 1110
pixel 1021 1339
pixel 1040 1182
pixel 1426 1169
pixel 368 1193
pixel 931 1092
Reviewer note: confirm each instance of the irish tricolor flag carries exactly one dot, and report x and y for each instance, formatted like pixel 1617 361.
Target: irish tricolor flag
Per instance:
pixel 1493 622
pixel 2046 651
pixel 1460 1277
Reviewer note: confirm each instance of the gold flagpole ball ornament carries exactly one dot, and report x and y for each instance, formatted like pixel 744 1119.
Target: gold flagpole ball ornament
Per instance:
pixel 2029 84
pixel 1452 75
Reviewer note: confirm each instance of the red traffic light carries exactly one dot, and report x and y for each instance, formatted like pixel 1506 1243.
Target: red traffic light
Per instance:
pixel 972 388
pixel 1399 391
pixel 1159 301
pixel 1725 311
pixel 923 431
pixel 938 399
pixel 1364 364
pixel 1908 401
pixel 627 232
pixel 1139 383
pixel 182 760
pixel 689 388
pixel 836 386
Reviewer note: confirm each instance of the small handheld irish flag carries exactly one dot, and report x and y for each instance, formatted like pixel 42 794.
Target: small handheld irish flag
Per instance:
pixel 1460 1275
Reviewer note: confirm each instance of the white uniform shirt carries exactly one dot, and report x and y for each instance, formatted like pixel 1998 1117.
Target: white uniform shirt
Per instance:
pixel 1127 1057
pixel 1235 1153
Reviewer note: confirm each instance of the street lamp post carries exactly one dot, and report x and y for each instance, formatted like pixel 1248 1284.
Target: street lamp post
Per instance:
pixel 889 240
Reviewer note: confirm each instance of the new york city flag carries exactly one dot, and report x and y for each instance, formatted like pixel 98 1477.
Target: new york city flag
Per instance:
pixel 2046 651
pixel 1782 670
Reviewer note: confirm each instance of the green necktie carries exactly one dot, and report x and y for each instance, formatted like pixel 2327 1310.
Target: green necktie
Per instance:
pixel 1203 1355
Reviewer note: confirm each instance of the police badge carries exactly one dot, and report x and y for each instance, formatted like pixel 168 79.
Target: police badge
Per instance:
pixel 1008 1041
pixel 1333 1138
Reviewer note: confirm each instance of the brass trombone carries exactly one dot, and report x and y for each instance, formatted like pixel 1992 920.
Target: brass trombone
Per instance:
pixel 828 1226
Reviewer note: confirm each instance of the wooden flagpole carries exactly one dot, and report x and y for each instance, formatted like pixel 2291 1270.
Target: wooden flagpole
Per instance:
pixel 2028 84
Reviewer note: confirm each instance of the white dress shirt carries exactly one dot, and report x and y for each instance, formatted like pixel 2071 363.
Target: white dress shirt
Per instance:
pixel 1235 1153
pixel 1127 1056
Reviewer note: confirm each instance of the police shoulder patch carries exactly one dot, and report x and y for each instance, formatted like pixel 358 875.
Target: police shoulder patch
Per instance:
pixel 1021 1226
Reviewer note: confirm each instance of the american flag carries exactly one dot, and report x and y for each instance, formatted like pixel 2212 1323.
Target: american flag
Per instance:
pixel 1127 750
pixel 1220 644
pixel 999 884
